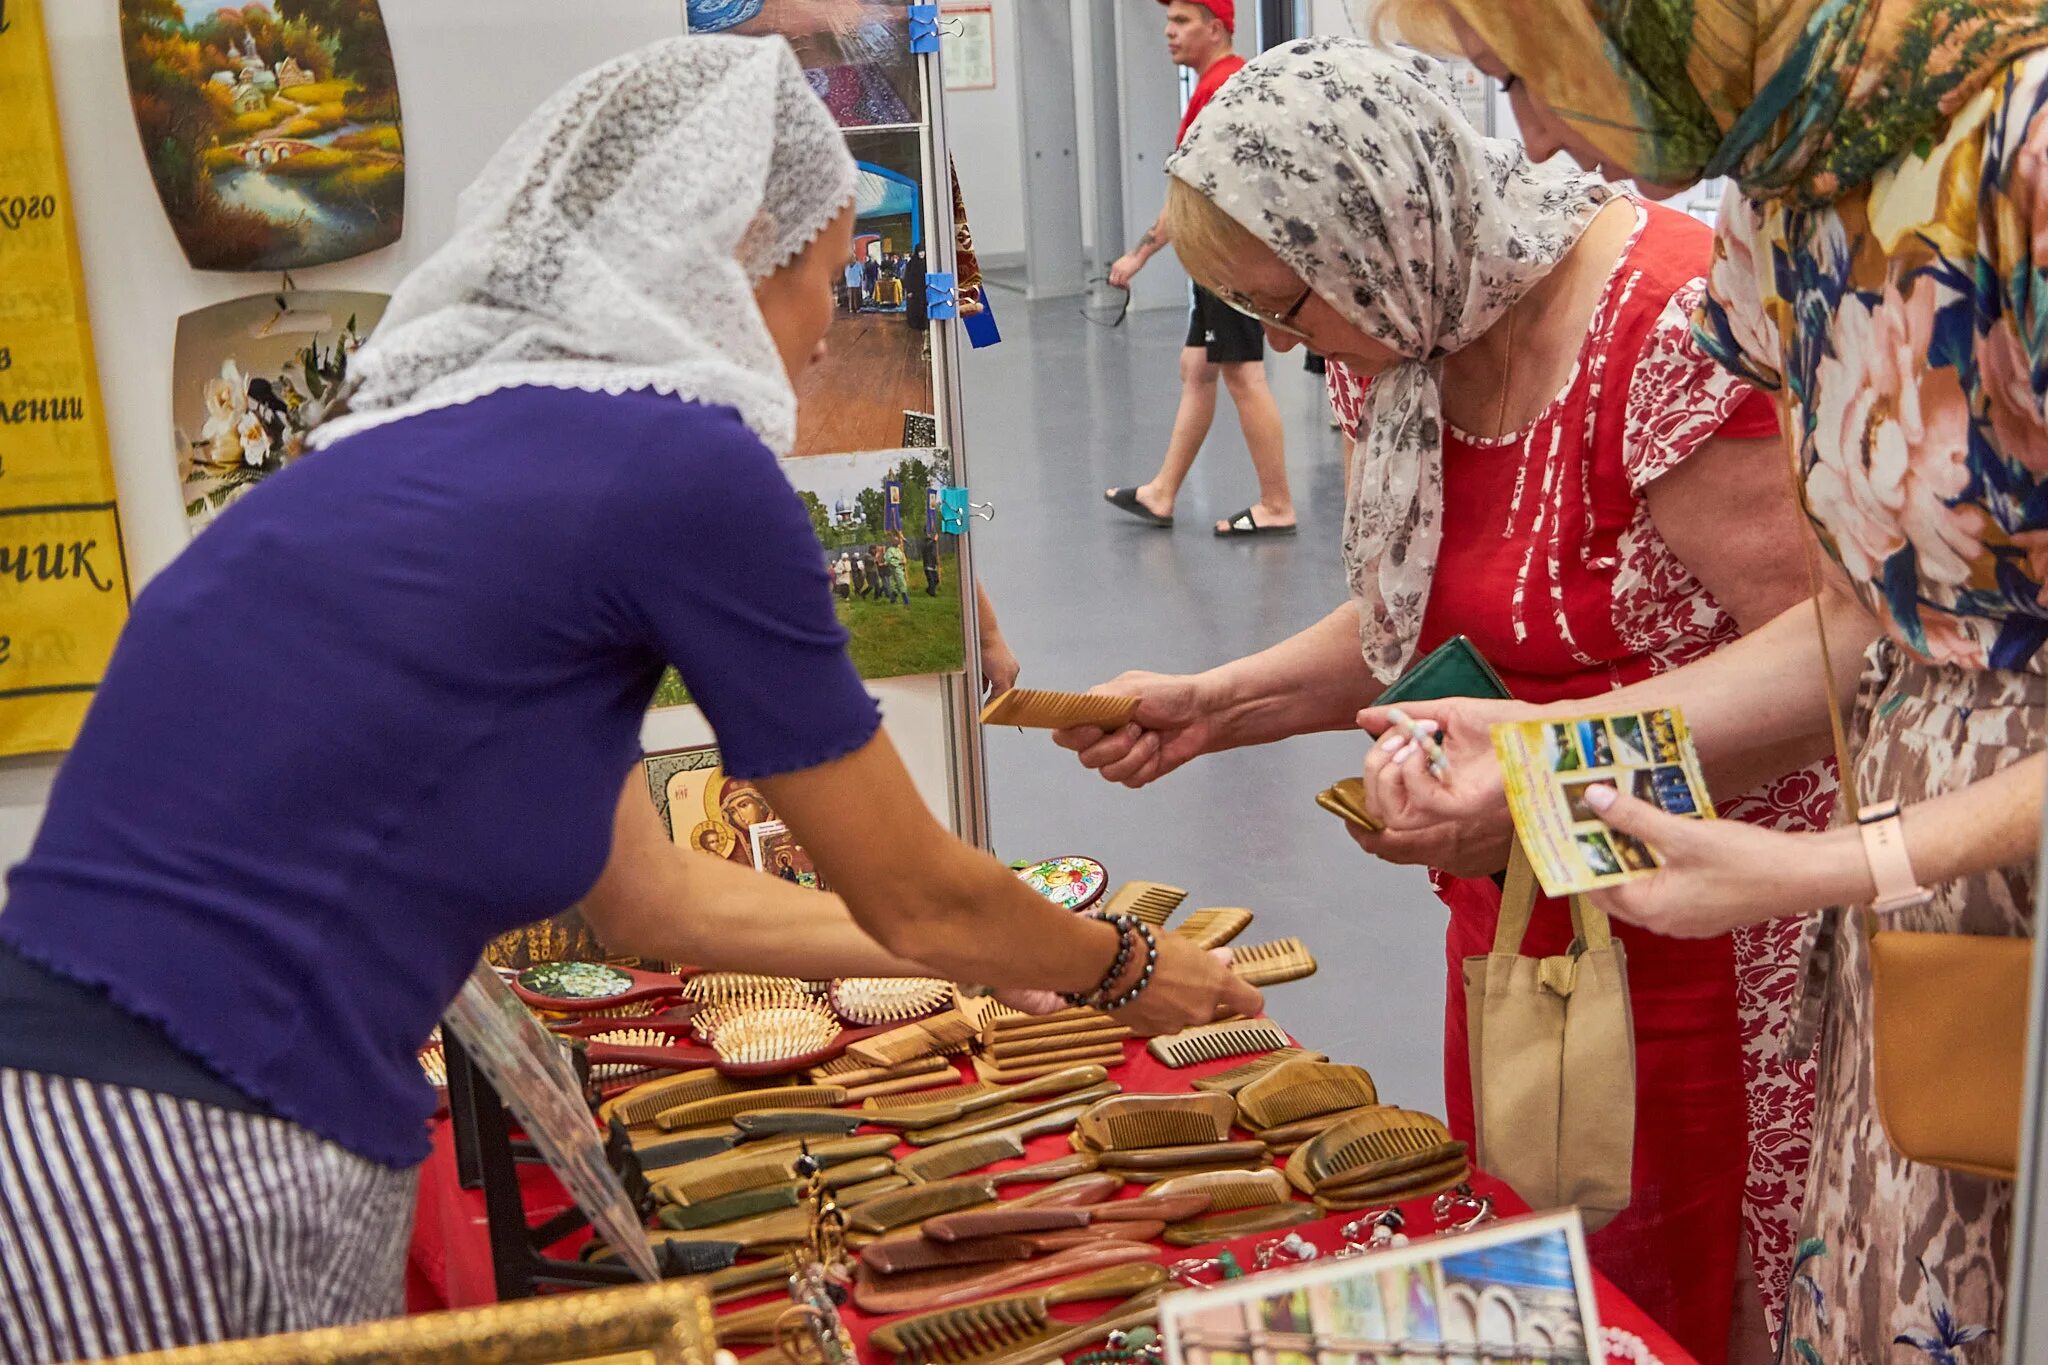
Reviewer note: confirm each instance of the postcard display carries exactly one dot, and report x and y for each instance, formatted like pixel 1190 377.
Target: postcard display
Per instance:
pixel 207 378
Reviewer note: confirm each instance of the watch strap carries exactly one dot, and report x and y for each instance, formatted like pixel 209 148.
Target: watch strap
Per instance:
pixel 1884 849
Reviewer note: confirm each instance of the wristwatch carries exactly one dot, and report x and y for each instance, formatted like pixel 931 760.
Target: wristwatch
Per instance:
pixel 1884 848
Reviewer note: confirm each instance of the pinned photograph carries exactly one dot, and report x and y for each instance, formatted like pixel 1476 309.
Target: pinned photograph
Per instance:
pixel 1514 1291
pixel 856 53
pixel 249 379
pixel 874 384
pixel 272 128
pixel 1599 855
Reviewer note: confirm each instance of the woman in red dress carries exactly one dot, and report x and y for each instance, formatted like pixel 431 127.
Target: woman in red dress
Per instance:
pixel 1548 464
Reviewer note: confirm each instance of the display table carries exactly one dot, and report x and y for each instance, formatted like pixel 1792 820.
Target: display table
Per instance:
pixel 451 1259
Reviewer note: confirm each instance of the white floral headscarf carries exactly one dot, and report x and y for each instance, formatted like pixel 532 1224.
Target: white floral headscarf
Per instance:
pixel 1355 165
pixel 615 241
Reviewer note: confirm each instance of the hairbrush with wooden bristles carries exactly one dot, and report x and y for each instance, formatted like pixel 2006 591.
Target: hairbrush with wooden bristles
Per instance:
pixel 1272 964
pixel 1214 927
pixel 1038 709
pixel 1151 902
pixel 1213 1042
pixel 1236 1078
pixel 1304 1090
pixel 970 1332
pixel 715 988
pixel 1131 1121
pixel 972 1099
pixel 866 1000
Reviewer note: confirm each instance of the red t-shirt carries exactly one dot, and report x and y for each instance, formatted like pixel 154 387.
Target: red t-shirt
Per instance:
pixel 1212 80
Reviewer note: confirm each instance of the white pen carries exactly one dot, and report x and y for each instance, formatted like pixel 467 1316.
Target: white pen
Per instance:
pixel 1439 763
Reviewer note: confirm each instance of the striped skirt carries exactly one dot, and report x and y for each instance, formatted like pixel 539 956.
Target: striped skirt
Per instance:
pixel 132 1221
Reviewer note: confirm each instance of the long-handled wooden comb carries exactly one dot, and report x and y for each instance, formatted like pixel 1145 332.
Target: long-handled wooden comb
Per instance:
pixel 1136 1161
pixel 643 1102
pixel 974 1099
pixel 1304 1090
pixel 1012 1220
pixel 920 1202
pixel 1036 709
pixel 1452 1168
pixel 899 1253
pixel 723 1108
pixel 1014 1070
pixel 966 1333
pixel 1272 964
pixel 1009 1051
pixel 926 1290
pixel 972 1153
pixel 1214 927
pixel 1010 1115
pixel 1238 1077
pixel 1212 1042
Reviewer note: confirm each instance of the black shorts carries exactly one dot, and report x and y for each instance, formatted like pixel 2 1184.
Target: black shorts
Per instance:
pixel 1227 335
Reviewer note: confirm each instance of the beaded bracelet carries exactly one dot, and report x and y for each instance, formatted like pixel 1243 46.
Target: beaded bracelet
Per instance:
pixel 1125 926
pixel 1144 981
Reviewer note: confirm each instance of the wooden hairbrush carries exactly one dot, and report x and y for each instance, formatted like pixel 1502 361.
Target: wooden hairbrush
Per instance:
pixel 1031 1068
pixel 1130 1121
pixel 1214 927
pixel 933 1111
pixel 1361 1147
pixel 1010 1115
pixel 1151 902
pixel 1212 1042
pixel 1272 964
pixel 714 988
pixel 1304 1090
pixel 1015 1320
pixel 1224 1227
pixel 888 999
pixel 929 1290
pixel 920 1202
pixel 1037 709
pixel 1238 1077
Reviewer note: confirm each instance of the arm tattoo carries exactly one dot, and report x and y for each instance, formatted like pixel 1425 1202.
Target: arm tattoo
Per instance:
pixel 1150 238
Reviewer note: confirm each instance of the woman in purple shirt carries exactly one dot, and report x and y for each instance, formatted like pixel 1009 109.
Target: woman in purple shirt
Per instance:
pixel 440 631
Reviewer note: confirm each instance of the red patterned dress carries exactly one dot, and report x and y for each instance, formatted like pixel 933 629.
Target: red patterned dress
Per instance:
pixel 1551 564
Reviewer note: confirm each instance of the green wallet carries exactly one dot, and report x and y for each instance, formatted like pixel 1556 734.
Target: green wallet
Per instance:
pixel 1453 669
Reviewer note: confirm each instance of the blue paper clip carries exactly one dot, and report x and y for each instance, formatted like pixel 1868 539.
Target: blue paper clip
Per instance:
pixel 941 298
pixel 953 510
pixel 924 28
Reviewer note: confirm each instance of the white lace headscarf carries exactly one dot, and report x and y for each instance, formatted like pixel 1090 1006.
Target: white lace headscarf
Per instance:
pixel 615 241
pixel 1355 165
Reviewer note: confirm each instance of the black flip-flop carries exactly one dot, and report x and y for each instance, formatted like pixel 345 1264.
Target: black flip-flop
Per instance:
pixel 1245 524
pixel 1126 500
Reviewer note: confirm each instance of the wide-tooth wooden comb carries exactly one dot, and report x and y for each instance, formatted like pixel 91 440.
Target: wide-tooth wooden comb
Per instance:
pixel 1353 1149
pixel 932 1113
pixel 724 1108
pixel 1010 1115
pixel 1304 1090
pixel 1229 1191
pixel 1151 902
pixel 888 999
pixel 1212 1042
pixel 1224 1227
pixel 1238 1077
pixel 939 1036
pixel 1010 1073
pixel 1272 964
pixel 1132 1160
pixel 971 1331
pixel 1012 1220
pixel 1140 1310
pixel 1037 709
pixel 1214 927
pixel 1131 1121
pixel 1009 1051
pixel 643 1102
pixel 920 1202
pixel 1415 1184
pixel 928 1290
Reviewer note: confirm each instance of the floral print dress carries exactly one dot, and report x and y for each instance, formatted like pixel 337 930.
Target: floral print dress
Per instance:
pixel 1911 323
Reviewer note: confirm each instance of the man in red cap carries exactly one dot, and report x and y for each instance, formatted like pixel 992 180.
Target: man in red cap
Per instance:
pixel 1222 342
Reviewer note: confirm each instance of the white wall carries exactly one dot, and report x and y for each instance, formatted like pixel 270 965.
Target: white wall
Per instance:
pixel 469 72
pixel 983 129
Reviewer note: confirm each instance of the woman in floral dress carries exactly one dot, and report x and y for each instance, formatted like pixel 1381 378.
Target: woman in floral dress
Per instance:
pixel 1883 259
pixel 1552 467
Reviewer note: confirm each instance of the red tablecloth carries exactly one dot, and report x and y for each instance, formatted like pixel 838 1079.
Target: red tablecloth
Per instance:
pixel 451 1260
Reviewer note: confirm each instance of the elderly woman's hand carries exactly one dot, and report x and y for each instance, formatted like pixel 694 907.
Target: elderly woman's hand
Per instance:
pixel 1456 821
pixel 1175 722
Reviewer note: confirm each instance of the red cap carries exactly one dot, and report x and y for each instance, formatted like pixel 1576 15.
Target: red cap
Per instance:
pixel 1226 10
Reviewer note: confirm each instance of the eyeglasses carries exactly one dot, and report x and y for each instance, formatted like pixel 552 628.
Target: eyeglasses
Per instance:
pixel 1279 322
pixel 1109 313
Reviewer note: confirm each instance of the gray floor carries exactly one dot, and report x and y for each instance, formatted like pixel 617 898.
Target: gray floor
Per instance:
pixel 1059 411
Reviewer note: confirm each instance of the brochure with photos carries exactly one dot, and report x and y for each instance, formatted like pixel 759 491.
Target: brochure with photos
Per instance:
pixel 1547 766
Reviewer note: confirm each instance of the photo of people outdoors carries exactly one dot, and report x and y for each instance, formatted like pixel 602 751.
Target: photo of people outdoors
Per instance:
pixel 877 371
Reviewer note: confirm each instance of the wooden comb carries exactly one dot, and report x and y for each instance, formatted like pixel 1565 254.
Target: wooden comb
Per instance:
pixel 933 1112
pixel 1229 1191
pixel 1140 1310
pixel 769 1198
pixel 1151 902
pixel 1423 1177
pixel 1292 1135
pixel 1356 1148
pixel 1033 709
pixel 990 1015
pixel 1224 1227
pixel 807 1123
pixel 929 1290
pixel 883 1105
pixel 1010 1115
pixel 1304 1090
pixel 643 1102
pixel 971 1331
pixel 724 1108
pixel 1239 1076
pixel 1012 1220
pixel 1195 1167
pixel 702 1182
pixel 914 1086
pixel 1030 1068
pixel 1345 799
pixel 852 1071
pixel 1134 1160
pixel 872 1189
pixel 1274 963
pixel 888 999
pixel 1071 1193
pixel 1009 1052
pixel 937 1036
pixel 1215 927
pixel 786 1227
pixel 920 1202
pixel 1131 1121
pixel 972 1153
pixel 1211 1042
pixel 900 1252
